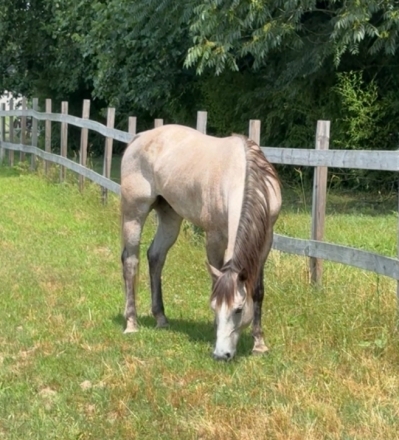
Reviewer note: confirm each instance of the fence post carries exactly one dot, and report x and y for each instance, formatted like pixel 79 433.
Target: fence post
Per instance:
pixel 254 130
pixel 11 133
pixel 132 126
pixel 2 134
pixel 202 119
pixel 47 141
pixel 319 200
pixel 64 139
pixel 158 123
pixel 35 106
pixel 23 130
pixel 84 137
pixel 108 151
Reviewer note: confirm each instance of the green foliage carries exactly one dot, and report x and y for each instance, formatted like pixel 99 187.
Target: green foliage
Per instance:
pixel 361 125
pixel 225 32
pixel 137 61
pixel 361 112
pixel 222 98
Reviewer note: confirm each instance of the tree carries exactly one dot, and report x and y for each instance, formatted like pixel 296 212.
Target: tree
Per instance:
pixel 225 32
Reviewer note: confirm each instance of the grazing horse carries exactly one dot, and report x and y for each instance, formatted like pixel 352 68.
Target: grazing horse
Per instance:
pixel 226 187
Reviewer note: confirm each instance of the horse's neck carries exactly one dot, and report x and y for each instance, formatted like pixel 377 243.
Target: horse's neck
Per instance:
pixel 233 223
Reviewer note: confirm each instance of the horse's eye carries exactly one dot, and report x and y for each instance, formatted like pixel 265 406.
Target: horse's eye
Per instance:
pixel 238 311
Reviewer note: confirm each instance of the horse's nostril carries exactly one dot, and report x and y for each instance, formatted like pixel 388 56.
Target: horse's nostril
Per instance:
pixel 223 357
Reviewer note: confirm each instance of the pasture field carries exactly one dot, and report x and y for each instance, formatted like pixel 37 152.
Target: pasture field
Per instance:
pixel 68 372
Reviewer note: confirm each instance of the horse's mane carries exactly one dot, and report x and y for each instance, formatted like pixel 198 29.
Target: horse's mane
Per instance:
pixel 253 228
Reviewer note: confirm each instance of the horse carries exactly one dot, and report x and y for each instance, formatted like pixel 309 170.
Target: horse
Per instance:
pixel 226 187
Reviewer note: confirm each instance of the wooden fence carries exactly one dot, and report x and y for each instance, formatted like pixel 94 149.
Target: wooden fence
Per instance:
pixel 321 158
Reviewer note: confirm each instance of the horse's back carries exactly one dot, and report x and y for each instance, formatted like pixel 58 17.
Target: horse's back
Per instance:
pixel 181 146
pixel 195 173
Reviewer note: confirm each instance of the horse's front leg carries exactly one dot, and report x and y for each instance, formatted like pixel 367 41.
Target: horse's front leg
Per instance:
pixel 257 332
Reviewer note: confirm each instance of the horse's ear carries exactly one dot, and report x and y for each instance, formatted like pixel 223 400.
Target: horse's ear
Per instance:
pixel 213 272
pixel 243 275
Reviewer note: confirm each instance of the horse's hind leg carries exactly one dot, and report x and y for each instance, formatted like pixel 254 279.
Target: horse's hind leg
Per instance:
pixel 133 221
pixel 168 229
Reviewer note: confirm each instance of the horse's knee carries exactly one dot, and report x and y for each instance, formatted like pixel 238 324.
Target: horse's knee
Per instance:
pixel 130 264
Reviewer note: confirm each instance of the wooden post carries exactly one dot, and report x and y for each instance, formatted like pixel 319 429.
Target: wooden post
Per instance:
pixel 108 151
pixel 319 200
pixel 2 134
pixel 23 130
pixel 254 130
pixel 84 137
pixel 64 139
pixel 11 133
pixel 132 126
pixel 202 118
pixel 158 123
pixel 47 141
pixel 35 106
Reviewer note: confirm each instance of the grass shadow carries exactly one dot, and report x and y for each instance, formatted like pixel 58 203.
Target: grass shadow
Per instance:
pixel 198 331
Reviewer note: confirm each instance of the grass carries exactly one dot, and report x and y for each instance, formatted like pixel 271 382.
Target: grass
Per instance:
pixel 67 371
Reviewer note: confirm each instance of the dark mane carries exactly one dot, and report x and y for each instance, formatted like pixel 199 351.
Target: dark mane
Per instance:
pixel 224 287
pixel 253 228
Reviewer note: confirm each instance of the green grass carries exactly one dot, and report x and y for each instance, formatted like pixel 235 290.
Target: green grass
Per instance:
pixel 67 371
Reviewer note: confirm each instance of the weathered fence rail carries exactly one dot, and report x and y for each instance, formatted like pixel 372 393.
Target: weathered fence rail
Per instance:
pixel 67 163
pixel 340 254
pixel 371 160
pixel 113 133
pixel 360 159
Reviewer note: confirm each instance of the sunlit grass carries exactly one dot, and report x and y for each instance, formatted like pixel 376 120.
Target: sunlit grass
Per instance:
pixel 67 371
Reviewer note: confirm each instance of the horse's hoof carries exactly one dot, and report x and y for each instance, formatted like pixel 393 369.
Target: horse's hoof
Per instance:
pixel 131 329
pixel 260 350
pixel 164 324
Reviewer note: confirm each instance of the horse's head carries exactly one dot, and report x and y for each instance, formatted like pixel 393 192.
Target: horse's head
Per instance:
pixel 233 308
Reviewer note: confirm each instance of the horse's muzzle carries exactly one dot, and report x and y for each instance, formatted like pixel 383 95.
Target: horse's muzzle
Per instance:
pixel 223 357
